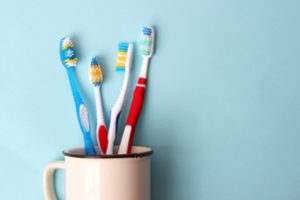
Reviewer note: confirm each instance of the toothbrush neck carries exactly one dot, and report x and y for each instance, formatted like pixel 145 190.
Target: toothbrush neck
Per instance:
pixel 121 99
pixel 73 83
pixel 144 69
pixel 99 110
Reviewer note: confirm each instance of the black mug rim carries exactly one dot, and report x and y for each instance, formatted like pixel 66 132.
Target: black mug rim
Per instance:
pixel 146 153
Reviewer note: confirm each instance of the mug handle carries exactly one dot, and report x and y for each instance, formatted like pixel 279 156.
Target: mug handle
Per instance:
pixel 49 192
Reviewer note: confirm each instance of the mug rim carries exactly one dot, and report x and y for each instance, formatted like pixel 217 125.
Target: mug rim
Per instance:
pixel 147 152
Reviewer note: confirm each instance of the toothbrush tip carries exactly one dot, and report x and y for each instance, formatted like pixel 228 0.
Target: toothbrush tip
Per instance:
pixel 147 30
pixel 94 61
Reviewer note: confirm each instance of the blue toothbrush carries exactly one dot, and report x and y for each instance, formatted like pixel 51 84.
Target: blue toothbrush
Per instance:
pixel 69 61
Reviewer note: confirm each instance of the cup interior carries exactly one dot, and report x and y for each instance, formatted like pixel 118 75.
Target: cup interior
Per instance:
pixel 136 152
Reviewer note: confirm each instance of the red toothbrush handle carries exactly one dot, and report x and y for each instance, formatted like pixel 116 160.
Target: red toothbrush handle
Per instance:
pixel 135 109
pixel 103 138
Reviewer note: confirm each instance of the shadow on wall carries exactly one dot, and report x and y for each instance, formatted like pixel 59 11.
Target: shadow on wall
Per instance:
pixel 162 174
pixel 163 169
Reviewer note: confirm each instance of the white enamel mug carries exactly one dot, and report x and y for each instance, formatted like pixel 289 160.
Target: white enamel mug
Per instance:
pixel 108 177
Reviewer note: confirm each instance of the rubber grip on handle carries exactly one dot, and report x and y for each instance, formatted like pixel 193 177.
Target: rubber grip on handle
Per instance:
pixel 102 138
pixel 134 112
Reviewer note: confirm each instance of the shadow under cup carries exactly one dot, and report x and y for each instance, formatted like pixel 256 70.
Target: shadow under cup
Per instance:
pixel 103 177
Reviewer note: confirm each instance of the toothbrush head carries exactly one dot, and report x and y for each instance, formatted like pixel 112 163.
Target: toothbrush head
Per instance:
pixel 147 42
pixel 122 56
pixel 67 52
pixel 96 76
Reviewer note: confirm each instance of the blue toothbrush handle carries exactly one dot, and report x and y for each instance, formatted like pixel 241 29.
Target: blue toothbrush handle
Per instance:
pixel 89 145
pixel 82 115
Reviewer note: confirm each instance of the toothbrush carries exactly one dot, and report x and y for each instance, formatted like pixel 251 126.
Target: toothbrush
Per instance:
pixel 123 64
pixel 97 79
pixel 69 61
pixel 146 50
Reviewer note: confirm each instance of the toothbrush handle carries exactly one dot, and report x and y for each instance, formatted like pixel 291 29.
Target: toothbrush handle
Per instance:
pixel 133 116
pixel 82 115
pixel 89 145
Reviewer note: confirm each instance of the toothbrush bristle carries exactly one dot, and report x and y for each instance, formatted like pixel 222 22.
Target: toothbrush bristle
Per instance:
pixel 67 52
pixel 147 31
pixel 95 72
pixel 146 42
pixel 122 56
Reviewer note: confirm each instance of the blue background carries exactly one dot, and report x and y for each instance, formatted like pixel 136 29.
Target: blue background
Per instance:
pixel 222 108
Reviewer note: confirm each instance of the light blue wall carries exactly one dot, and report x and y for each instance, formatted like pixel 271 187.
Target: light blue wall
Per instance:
pixel 222 109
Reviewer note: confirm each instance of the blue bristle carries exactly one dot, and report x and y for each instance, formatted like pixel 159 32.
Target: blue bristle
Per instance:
pixel 94 61
pixel 147 31
pixel 123 46
pixel 119 69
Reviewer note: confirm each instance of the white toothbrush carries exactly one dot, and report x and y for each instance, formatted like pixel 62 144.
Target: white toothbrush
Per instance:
pixel 96 77
pixel 123 64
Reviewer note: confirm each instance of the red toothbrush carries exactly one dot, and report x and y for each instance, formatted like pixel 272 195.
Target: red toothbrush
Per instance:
pixel 146 50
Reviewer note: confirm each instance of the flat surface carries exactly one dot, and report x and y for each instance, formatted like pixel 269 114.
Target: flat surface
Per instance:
pixel 222 108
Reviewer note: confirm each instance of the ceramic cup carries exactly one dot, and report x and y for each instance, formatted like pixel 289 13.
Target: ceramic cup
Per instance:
pixel 108 177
